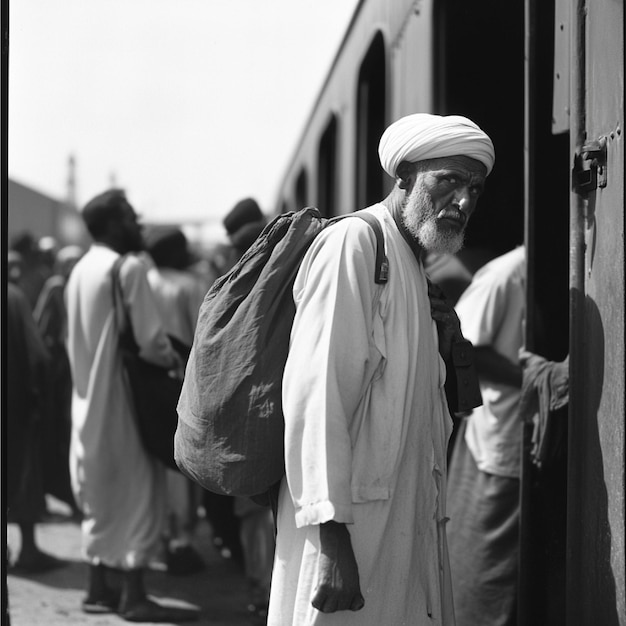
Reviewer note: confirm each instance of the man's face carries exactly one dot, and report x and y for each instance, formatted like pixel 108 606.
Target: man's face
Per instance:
pixel 130 230
pixel 441 202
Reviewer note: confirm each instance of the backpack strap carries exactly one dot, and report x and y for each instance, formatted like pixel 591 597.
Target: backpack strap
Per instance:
pixel 120 311
pixel 381 269
pixel 121 314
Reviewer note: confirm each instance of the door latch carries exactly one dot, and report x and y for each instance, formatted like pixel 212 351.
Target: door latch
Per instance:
pixel 590 171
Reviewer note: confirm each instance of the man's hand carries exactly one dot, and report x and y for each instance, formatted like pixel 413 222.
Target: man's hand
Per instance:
pixel 448 324
pixel 338 587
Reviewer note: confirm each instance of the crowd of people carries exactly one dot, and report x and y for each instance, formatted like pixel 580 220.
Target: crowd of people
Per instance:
pixel 371 528
pixel 66 446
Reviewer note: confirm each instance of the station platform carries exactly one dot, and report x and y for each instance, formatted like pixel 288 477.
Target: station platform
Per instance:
pixel 54 598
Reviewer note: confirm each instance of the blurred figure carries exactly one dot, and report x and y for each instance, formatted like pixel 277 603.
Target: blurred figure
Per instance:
pixel 34 271
pixel 243 225
pixel 483 481
pixel 179 294
pixel 256 532
pixel 453 272
pixel 485 468
pixel 27 361
pixel 51 319
pixel 14 267
pixel 203 264
pixel 48 249
pixel 120 489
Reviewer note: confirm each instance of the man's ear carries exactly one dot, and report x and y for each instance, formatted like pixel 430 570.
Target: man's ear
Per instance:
pixel 405 175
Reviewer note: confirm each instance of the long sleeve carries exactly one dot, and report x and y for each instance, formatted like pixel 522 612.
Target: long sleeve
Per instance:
pixel 328 369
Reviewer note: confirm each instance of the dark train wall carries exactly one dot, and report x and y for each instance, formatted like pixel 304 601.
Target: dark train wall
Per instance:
pixel 484 74
pixel 480 74
pixel 548 214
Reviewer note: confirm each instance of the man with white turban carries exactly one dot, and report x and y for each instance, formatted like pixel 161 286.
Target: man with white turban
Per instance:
pixel 361 513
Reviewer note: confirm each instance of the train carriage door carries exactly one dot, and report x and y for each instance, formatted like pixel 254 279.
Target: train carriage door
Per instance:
pixel 543 511
pixel 546 189
pixel 595 530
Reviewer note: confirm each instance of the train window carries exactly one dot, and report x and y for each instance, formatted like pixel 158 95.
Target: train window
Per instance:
pixel 302 190
pixel 327 170
pixel 371 98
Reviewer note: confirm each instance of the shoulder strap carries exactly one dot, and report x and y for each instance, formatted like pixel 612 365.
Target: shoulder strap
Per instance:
pixel 381 270
pixel 381 274
pixel 116 289
pixel 122 316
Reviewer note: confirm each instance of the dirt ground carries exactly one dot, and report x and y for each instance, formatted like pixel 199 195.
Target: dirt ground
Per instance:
pixel 54 598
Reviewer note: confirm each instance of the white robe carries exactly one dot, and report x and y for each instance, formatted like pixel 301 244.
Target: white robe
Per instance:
pixel 367 427
pixel 119 488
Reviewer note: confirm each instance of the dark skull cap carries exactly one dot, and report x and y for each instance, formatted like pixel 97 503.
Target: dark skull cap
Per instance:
pixel 244 212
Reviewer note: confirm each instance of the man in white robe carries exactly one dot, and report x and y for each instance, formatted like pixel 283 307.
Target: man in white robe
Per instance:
pixel 361 518
pixel 119 488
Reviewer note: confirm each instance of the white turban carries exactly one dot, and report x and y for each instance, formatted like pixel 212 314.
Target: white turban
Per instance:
pixel 423 136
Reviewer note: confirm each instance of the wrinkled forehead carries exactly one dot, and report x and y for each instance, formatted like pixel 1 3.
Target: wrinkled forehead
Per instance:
pixel 460 163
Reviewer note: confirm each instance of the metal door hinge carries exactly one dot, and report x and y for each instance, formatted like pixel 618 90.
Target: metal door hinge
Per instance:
pixel 590 171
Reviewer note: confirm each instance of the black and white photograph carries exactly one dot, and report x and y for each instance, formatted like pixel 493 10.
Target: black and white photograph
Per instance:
pixel 313 312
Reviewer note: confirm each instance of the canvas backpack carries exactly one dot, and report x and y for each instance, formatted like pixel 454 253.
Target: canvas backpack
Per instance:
pixel 230 430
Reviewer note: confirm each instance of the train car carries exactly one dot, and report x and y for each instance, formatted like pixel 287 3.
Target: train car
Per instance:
pixel 545 79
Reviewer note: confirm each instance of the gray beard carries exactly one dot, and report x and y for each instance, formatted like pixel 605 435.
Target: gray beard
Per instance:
pixel 419 219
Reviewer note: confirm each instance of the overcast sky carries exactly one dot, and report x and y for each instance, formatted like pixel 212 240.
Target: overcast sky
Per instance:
pixel 189 105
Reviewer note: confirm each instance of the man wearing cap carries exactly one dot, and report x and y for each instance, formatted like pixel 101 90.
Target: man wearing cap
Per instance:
pixel 243 224
pixel 361 515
